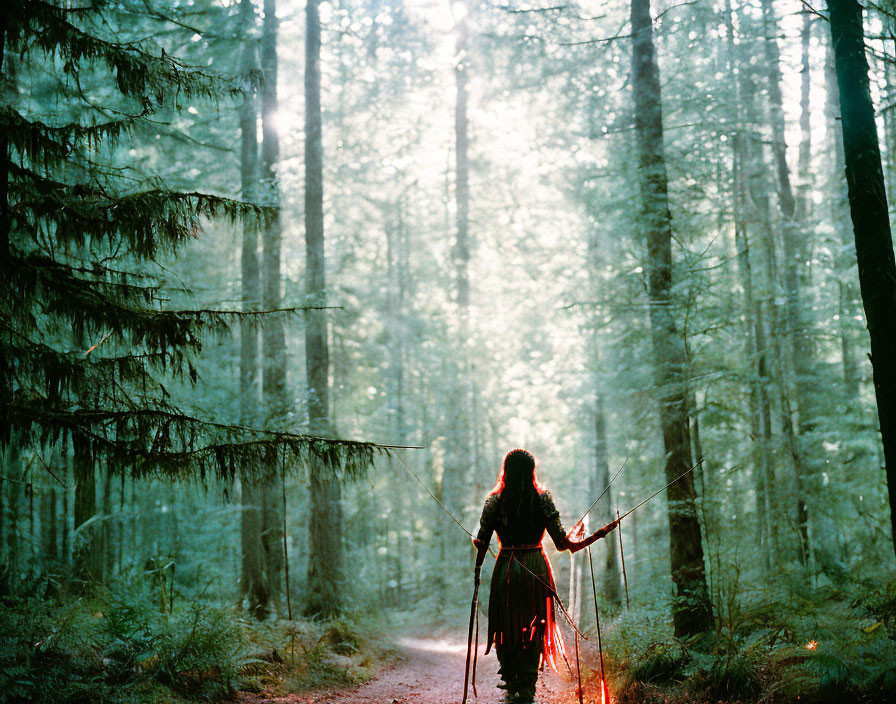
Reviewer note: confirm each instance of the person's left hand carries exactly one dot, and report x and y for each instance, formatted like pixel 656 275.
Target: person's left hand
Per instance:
pixel 578 531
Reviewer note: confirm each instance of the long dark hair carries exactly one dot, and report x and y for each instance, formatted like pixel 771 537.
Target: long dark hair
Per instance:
pixel 517 485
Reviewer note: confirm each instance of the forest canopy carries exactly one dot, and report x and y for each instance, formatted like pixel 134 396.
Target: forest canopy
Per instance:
pixel 264 342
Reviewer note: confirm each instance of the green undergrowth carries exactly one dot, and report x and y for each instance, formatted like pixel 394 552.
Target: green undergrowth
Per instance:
pixel 67 643
pixel 818 646
pixel 302 655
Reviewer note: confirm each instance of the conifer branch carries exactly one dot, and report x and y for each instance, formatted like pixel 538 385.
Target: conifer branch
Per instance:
pixel 48 144
pixel 138 74
pixel 168 443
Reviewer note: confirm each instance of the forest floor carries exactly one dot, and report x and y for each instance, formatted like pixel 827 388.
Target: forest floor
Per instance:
pixel 426 670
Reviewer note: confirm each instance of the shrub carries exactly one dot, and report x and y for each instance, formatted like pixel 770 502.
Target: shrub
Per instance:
pixel 660 663
pixel 43 658
pixel 114 646
pixel 733 676
pixel 202 653
pixel 881 604
pixel 342 639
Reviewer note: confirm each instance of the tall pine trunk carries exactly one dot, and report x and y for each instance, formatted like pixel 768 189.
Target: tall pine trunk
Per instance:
pixel 87 548
pixel 325 527
pixel 49 533
pixel 273 378
pixel 462 166
pixel 754 324
pixel 848 305
pixel 794 319
pixel 691 610
pixel 871 224
pixel 253 582
pixel 457 477
pixel 395 328
pixel 599 481
pixel 600 477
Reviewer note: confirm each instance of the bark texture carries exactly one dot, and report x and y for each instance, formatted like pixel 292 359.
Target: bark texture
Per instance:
pixel 848 303
pixel 599 481
pixel 871 225
pixel 691 610
pixel 253 582
pixel 325 528
pixel 754 324
pixel 86 549
pixel 273 378
pixel 457 477
pixel 794 327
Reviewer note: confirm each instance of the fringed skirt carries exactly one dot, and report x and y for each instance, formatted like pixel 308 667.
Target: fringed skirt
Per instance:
pixel 521 605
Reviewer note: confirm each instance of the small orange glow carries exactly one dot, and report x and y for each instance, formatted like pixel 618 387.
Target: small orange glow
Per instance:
pixel 811 645
pixel 604 693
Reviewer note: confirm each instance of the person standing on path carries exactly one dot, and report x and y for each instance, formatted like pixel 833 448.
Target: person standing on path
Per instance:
pixel 521 622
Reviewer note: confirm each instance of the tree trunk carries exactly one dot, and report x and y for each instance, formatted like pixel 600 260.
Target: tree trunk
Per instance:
pixel 5 225
pixel 457 477
pixel 795 253
pixel 754 324
pixel 253 581
pixel 462 164
pixel 804 187
pixel 86 550
pixel 395 350
pixel 325 526
pixel 119 526
pixel 273 380
pixel 691 610
pixel 848 306
pixel 599 481
pixel 871 225
pixel 889 161
pixel 13 500
pixel 4 559
pixel 48 524
pixel 66 514
pixel 600 477
pixel 106 562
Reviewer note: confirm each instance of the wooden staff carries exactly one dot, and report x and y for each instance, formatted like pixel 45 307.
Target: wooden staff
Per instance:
pixel 476 652
pixel 578 668
pixel 470 639
pixel 600 647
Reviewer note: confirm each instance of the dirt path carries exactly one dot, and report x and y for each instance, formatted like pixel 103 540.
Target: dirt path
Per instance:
pixel 429 671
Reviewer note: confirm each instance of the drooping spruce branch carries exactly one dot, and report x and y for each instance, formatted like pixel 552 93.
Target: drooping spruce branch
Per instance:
pixel 75 374
pixel 167 443
pixel 36 24
pixel 148 222
pixel 49 145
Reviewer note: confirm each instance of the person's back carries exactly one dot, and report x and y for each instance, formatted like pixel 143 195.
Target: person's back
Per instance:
pixel 521 524
pixel 521 622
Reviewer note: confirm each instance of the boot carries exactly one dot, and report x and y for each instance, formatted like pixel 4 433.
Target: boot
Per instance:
pixel 526 694
pixel 509 685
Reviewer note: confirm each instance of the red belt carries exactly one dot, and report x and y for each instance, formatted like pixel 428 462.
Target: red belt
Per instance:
pixel 508 549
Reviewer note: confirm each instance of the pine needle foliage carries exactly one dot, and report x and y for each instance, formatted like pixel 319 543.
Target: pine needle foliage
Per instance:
pixel 87 337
